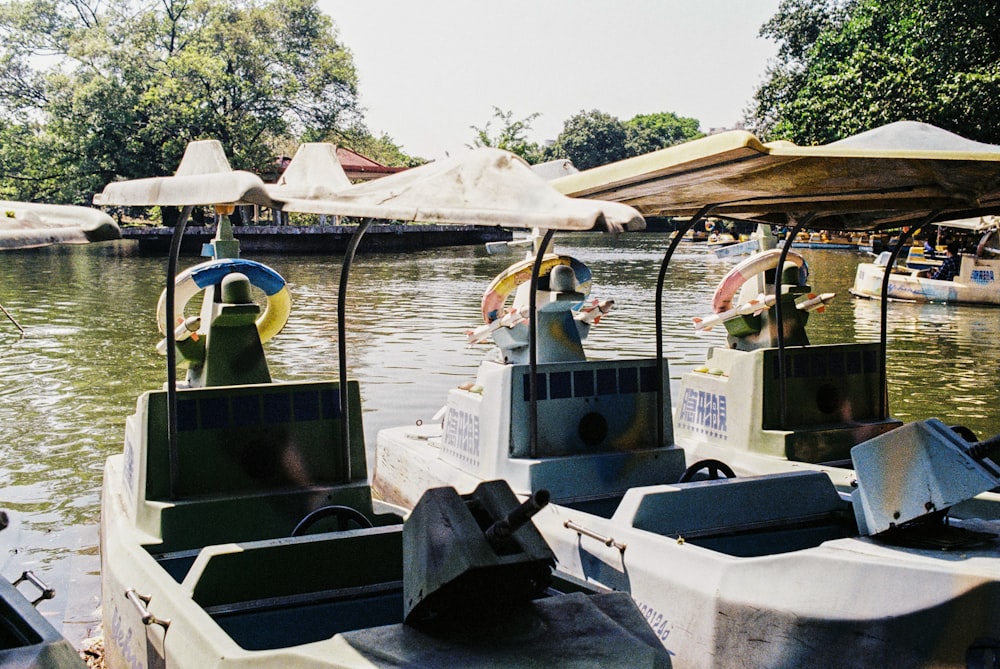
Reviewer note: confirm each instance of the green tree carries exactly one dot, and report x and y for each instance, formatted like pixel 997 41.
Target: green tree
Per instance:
pixel 866 63
pixel 511 136
pixel 119 90
pixel 590 139
pixel 650 132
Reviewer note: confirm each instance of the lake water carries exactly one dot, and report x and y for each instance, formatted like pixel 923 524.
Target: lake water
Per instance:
pixel 88 312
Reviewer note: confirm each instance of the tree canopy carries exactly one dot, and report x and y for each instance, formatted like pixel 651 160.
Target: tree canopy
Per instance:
pixel 594 138
pixel 512 135
pixel 96 91
pixel 847 66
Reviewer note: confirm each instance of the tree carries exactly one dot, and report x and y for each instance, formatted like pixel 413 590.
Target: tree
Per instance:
pixel 119 90
pixel 867 63
pixel 511 136
pixel 650 132
pixel 590 139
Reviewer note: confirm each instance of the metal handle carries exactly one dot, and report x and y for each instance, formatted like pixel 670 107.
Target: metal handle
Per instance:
pixel 140 602
pixel 46 591
pixel 607 541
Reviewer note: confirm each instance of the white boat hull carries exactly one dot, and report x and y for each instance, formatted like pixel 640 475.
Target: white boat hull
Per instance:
pixel 978 283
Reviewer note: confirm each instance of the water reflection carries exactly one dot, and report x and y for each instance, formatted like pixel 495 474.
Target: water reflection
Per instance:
pixel 66 387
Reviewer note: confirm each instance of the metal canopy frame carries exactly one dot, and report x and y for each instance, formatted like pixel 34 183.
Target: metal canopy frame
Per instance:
pixel 484 187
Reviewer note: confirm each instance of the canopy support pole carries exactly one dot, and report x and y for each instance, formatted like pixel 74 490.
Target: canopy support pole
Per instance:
pixel 904 238
pixel 170 303
pixel 532 345
pixel 660 279
pixel 779 321
pixel 345 405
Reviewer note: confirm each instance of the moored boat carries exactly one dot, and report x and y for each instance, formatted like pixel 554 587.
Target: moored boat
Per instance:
pixel 778 569
pixel 238 527
pixel 977 280
pixel 27 639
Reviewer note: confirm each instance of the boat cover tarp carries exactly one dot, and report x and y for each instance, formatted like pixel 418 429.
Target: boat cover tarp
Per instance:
pixel 26 225
pixel 482 187
pixel 886 177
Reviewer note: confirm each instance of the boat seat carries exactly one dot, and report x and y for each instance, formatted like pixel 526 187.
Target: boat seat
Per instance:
pixel 588 407
pixel 759 515
pixel 234 439
pixel 240 518
pixel 832 394
pixel 326 584
pixel 253 460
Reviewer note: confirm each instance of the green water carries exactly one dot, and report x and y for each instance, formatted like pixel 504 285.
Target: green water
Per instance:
pixel 88 312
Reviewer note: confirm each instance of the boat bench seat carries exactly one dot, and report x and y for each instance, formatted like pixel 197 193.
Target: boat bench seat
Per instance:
pixel 323 584
pixel 252 461
pixel 252 438
pixel 586 407
pixel 187 525
pixel 758 515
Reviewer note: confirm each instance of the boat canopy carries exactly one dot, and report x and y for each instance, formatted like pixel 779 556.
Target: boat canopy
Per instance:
pixel 30 225
pixel 482 187
pixel 891 176
pixel 980 224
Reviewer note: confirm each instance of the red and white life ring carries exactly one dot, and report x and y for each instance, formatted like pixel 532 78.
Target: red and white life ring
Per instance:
pixel 752 266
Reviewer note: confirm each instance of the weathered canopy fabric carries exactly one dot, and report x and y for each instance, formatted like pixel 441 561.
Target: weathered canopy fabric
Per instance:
pixel 26 225
pixel 482 187
pixel 889 176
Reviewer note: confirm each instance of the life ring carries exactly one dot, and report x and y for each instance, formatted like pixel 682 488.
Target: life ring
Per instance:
pixel 508 280
pixel 193 280
pixel 752 266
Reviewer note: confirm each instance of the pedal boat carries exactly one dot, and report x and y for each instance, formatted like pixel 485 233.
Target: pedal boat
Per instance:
pixel 776 569
pixel 27 639
pixel 977 281
pixel 238 527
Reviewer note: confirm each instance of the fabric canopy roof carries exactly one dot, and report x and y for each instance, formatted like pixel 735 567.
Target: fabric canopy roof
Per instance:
pixel 29 225
pixel 482 187
pixel 890 176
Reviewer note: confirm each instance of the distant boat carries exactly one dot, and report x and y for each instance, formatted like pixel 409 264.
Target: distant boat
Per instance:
pixel 977 282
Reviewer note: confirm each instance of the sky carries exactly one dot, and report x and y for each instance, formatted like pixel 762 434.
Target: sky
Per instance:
pixel 429 70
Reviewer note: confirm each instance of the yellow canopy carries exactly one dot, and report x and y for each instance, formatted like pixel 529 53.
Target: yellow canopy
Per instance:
pixel 886 177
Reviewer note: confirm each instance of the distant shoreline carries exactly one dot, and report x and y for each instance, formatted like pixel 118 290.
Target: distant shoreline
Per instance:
pixel 320 238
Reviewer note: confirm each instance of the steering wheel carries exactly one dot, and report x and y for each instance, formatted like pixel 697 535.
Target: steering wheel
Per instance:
pixel 712 467
pixel 964 433
pixel 343 514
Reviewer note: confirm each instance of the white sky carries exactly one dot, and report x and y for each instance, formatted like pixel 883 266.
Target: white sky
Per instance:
pixel 430 69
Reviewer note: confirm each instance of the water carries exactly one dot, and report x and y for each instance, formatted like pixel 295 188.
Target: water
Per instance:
pixel 88 312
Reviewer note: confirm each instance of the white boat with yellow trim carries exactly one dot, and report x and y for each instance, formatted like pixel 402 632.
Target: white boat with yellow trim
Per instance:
pixel 777 569
pixel 238 528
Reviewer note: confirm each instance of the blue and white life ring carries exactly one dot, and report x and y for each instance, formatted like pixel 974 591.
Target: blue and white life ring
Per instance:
pixel 193 280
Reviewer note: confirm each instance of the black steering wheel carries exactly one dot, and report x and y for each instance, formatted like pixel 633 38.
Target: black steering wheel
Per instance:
pixel 344 515
pixel 713 469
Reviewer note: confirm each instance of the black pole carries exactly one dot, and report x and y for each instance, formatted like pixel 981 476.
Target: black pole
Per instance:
pixel 658 302
pixel 345 406
pixel 778 319
pixel 904 237
pixel 532 341
pixel 173 455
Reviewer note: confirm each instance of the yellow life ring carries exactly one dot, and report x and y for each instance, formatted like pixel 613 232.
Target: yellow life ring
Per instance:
pixel 508 280
pixel 193 280
pixel 722 300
